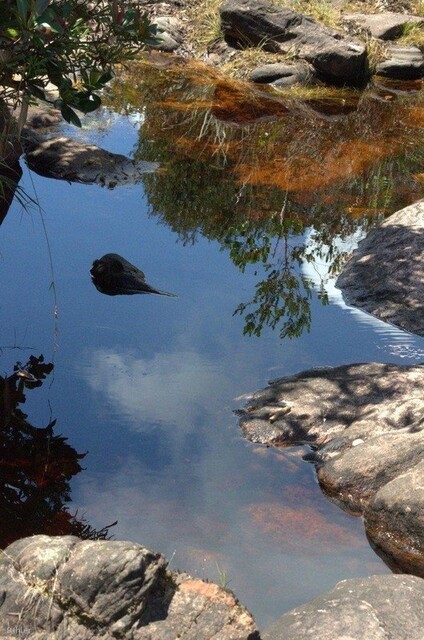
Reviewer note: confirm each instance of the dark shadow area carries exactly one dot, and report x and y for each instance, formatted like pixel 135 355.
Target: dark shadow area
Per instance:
pixel 36 466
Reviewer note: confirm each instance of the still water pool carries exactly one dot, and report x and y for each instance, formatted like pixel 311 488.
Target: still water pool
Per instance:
pixel 147 385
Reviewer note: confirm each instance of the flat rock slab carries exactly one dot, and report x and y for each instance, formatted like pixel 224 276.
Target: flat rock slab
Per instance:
pixel 63 587
pixel 365 423
pixel 66 159
pixel 374 608
pixel 385 275
pixel 385 26
pixel 335 58
pixel 402 63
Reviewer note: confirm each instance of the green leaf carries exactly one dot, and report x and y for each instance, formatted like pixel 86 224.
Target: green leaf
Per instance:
pixel 69 115
pixel 36 92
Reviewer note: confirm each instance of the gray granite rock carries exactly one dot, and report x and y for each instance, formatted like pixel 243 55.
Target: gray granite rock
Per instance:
pixel 396 514
pixel 365 423
pixel 374 608
pixel 335 58
pixel 168 34
pixel 66 588
pixel 385 275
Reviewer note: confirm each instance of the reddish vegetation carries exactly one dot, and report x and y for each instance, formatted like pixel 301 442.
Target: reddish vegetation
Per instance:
pixel 300 528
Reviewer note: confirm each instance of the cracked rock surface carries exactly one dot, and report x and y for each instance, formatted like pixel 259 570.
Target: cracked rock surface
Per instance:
pixel 365 423
pixel 374 608
pixel 63 587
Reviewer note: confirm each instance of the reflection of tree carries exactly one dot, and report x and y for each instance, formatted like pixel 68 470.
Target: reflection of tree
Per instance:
pixel 294 164
pixel 282 298
pixel 35 465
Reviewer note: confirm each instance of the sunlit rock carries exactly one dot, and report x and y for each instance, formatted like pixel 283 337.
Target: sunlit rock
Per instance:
pixel 402 63
pixel 376 608
pixel 168 34
pixel 336 59
pixel 385 26
pixel 364 423
pixel 68 588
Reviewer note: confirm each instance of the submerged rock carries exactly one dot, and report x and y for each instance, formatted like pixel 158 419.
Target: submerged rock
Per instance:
pixel 366 425
pixel 374 608
pixel 335 58
pixel 66 159
pixel 385 275
pixel 63 587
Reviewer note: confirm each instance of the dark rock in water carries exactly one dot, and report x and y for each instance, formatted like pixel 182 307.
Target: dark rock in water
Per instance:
pixel 385 275
pixel 366 424
pixel 385 26
pixel 336 59
pixel 113 275
pixel 374 608
pixel 66 159
pixel 282 75
pixel 63 587
pixel 404 63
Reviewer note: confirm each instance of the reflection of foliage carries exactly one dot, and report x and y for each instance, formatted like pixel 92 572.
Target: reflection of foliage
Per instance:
pixel 252 170
pixel 35 465
pixel 282 299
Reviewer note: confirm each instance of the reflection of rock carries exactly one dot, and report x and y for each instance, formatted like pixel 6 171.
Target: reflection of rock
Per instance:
pixel 113 275
pixel 236 104
pixel 68 588
pixel 385 275
pixel 365 422
pixel 66 159
pixel 372 608
pixel 258 22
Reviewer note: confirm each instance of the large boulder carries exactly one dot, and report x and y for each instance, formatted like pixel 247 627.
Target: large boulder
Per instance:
pixel 259 23
pixel 385 275
pixel 66 588
pixel 374 608
pixel 365 424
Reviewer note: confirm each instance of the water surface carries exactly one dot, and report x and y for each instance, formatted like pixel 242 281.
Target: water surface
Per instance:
pixel 147 385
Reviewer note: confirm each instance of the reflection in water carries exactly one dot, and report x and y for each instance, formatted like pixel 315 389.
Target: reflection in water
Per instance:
pixel 36 466
pixel 255 170
pixel 113 275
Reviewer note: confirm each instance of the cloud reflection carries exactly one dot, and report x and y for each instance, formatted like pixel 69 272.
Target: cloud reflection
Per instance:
pixel 170 387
